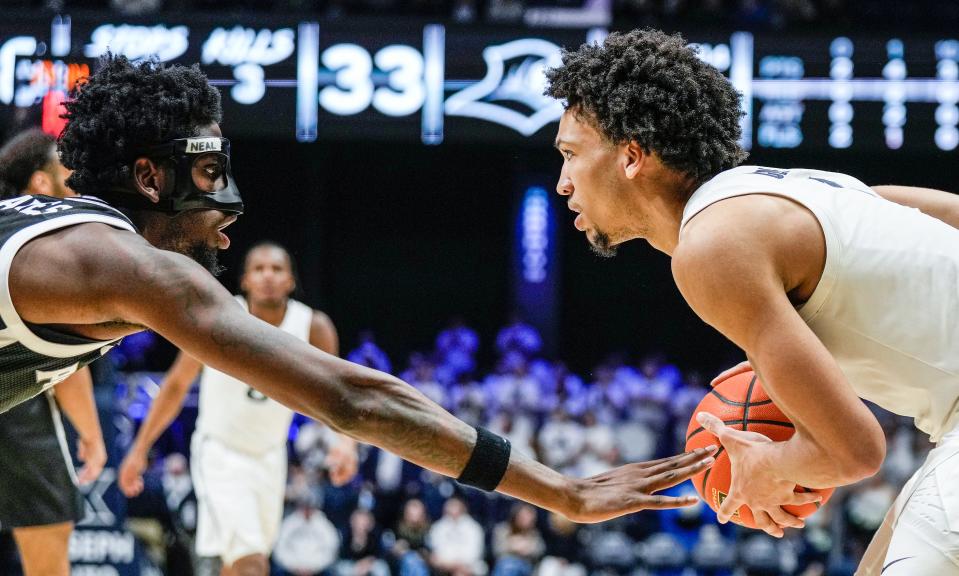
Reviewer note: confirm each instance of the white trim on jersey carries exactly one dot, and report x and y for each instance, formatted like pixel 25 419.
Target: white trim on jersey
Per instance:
pixel 61 436
pixel 9 315
pixel 100 203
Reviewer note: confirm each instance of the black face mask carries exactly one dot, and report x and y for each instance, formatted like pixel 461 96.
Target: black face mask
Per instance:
pixel 202 178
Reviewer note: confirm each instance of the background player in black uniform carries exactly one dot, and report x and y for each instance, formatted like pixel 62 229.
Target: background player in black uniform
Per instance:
pixel 39 499
pixel 147 138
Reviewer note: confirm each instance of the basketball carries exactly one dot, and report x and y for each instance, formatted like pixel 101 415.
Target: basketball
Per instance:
pixel 741 403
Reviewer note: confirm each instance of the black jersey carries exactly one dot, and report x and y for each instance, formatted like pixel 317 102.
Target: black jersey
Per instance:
pixel 33 357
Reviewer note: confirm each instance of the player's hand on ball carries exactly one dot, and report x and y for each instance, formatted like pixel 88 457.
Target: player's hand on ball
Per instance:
pixel 633 487
pixel 743 366
pixel 131 473
pixel 754 482
pixel 93 453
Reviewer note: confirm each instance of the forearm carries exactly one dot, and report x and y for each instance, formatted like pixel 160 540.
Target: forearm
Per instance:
pixel 75 398
pixel 808 464
pixel 936 203
pixel 195 313
pixel 401 420
pixel 163 410
pixel 838 440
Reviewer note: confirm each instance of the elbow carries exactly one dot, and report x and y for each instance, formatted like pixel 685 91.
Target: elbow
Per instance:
pixel 864 458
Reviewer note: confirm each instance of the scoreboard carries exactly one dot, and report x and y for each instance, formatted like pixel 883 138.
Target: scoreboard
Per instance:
pixel 411 81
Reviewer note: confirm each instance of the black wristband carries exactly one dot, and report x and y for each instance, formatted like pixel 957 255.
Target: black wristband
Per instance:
pixel 488 462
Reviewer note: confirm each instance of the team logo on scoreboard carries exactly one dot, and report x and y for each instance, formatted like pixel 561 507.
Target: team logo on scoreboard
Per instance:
pixel 511 93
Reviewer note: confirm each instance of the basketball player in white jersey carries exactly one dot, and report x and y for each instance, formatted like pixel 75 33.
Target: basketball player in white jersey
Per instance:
pixel 239 448
pixel 833 291
pixel 39 497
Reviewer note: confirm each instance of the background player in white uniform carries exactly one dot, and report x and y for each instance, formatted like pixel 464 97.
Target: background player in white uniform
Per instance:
pixel 39 498
pixel 239 448
pixel 833 291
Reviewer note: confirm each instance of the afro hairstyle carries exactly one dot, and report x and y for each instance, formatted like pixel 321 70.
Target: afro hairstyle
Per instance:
pixel 125 107
pixel 650 87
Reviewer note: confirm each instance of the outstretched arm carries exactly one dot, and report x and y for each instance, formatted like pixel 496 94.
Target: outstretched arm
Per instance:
pixel 176 297
pixel 75 397
pixel 111 278
pixel 163 409
pixel 936 203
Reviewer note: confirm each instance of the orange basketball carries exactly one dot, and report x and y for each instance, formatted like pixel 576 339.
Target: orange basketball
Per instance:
pixel 741 403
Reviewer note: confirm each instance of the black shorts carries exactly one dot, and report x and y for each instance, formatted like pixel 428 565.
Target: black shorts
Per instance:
pixel 37 480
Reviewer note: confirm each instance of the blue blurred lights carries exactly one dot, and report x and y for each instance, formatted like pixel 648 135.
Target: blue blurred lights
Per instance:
pixel 535 235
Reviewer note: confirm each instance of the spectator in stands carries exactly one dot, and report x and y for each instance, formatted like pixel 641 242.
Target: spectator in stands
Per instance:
pixel 599 447
pixel 609 548
pixel 564 549
pixel 360 553
pixel 308 543
pixel 299 486
pixel 457 542
pixel 561 441
pixel 388 477
pixel 607 396
pixel 406 543
pixel 513 387
pixel 520 337
pixel 517 543
pixel 560 388
pixel 369 354
pixel 456 346
pixel 657 380
pixel 313 445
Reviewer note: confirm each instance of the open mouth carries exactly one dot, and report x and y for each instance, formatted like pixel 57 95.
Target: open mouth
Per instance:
pixel 223 241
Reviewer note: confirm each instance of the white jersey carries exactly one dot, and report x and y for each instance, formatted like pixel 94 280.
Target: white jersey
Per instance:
pixel 239 416
pixel 887 306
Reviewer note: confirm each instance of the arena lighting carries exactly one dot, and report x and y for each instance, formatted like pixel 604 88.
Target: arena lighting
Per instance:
pixel 534 235
pixel 797 91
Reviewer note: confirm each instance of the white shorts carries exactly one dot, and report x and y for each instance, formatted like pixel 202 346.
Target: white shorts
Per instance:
pixel 239 497
pixel 920 534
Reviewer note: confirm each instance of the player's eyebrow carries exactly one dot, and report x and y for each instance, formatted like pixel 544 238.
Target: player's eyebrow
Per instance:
pixel 559 143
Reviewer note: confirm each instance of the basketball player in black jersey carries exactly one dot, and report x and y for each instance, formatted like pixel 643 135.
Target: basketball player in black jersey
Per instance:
pixel 76 275
pixel 39 497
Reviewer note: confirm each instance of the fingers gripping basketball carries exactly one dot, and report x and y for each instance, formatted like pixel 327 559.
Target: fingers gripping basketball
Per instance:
pixel 741 403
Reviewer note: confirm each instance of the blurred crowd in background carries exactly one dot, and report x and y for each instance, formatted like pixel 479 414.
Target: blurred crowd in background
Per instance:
pixel 396 518
pixel 761 14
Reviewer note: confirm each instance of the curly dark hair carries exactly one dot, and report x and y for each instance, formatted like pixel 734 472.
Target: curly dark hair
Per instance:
pixel 650 87
pixel 24 154
pixel 125 107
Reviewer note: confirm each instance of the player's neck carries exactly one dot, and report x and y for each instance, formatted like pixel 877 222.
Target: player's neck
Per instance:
pixel 664 213
pixel 270 312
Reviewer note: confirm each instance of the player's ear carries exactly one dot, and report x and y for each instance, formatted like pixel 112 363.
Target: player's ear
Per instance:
pixel 148 178
pixel 634 157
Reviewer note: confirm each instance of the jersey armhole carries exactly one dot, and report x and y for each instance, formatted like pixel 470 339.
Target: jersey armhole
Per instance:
pixel 15 325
